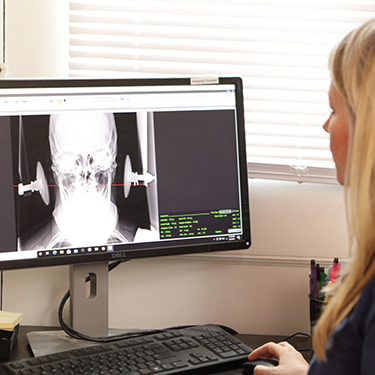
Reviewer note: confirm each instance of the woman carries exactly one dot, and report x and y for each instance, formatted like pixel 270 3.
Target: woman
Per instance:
pixel 344 337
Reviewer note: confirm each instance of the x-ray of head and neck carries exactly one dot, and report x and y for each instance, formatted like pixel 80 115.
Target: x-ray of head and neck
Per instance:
pixel 93 180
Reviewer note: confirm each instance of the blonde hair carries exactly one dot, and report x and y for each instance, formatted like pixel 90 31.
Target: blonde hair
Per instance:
pixel 352 66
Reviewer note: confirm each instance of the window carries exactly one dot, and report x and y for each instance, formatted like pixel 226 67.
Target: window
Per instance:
pixel 279 48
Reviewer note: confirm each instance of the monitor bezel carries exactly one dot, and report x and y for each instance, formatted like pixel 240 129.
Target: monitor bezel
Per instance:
pixel 164 249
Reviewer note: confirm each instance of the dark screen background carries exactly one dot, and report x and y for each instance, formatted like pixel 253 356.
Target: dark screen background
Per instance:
pixel 196 161
pixel 8 240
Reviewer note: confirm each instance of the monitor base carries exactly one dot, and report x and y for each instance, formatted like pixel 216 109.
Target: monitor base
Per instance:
pixel 48 342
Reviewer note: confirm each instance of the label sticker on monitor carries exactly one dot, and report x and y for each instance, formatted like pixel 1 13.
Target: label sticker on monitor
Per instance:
pixel 204 80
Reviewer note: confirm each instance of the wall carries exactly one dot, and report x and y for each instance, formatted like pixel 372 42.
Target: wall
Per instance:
pixel 36 37
pixel 261 290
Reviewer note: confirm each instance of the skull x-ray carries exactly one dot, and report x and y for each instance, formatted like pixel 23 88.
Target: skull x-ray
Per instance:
pixel 85 179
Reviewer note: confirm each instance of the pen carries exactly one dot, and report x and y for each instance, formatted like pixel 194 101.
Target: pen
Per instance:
pixel 323 276
pixel 323 282
pixel 335 270
pixel 314 286
pixel 334 274
pixel 318 281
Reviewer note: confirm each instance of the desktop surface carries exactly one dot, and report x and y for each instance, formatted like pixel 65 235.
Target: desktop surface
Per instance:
pixel 21 349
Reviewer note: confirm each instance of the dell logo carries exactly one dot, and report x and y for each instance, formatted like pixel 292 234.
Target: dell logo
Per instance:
pixel 119 255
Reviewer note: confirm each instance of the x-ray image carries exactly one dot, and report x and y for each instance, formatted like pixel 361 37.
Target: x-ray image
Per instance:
pixel 84 179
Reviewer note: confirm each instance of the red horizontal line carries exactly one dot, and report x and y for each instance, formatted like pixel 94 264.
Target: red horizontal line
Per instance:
pixel 115 185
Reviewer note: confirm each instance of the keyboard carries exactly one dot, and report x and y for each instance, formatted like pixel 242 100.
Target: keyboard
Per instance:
pixel 192 349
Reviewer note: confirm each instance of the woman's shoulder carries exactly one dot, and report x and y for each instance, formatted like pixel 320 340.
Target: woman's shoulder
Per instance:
pixel 364 311
pixel 368 292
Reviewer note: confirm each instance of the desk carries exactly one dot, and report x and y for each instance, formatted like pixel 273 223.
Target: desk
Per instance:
pixel 21 347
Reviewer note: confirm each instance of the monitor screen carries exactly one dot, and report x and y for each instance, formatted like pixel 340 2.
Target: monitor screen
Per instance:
pixel 108 169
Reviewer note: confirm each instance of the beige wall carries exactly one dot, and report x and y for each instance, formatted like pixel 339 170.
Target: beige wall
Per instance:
pixel 261 290
pixel 36 37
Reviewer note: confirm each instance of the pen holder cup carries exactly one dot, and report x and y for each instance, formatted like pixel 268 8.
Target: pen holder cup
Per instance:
pixel 316 307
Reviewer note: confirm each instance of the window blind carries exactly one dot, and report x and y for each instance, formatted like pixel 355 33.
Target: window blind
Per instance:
pixel 279 48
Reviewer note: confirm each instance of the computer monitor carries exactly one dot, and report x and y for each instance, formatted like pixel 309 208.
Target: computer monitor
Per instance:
pixel 96 170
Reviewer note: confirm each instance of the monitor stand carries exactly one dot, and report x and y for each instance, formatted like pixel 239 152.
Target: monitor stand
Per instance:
pixel 88 311
pixel 89 300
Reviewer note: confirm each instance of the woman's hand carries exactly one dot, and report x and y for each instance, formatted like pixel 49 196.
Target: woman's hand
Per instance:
pixel 291 362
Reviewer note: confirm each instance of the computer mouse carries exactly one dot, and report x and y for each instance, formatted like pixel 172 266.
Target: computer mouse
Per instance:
pixel 248 366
